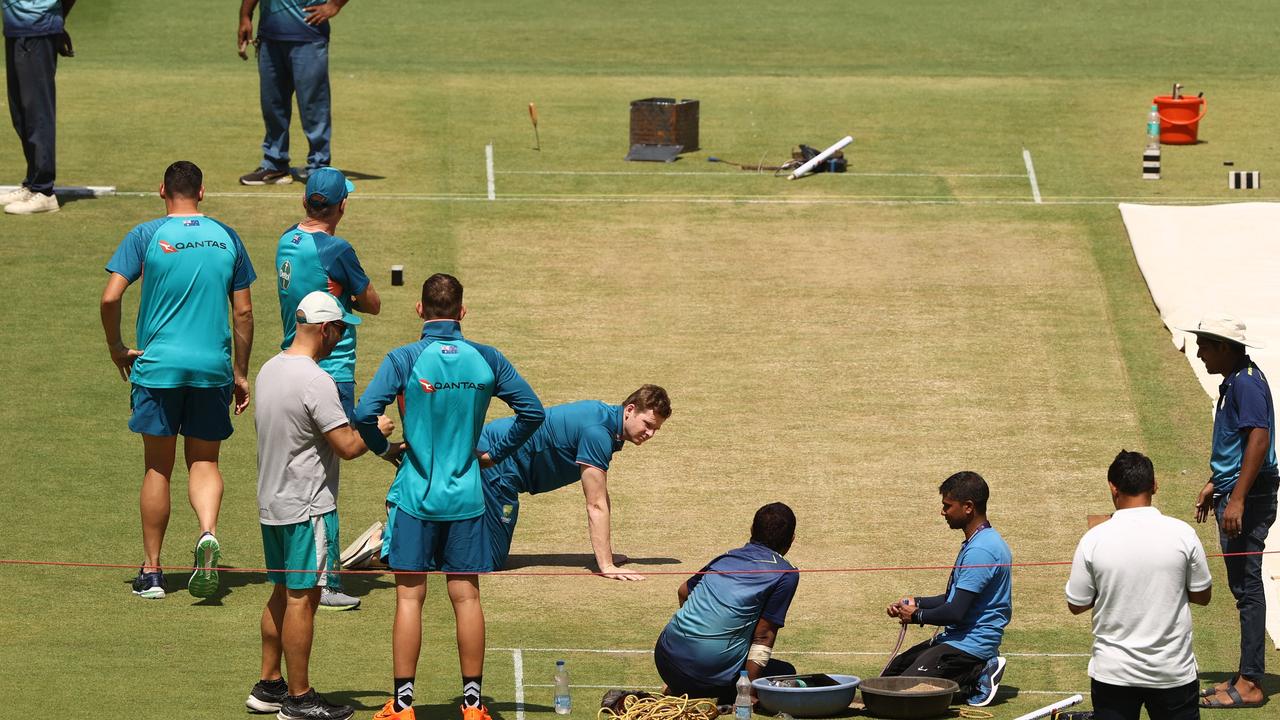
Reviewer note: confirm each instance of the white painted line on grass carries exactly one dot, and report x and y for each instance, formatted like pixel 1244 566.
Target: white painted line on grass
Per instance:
pixel 834 200
pixel 750 173
pixel 634 651
pixel 517 664
pixel 1031 175
pixel 631 686
pixel 488 168
pixel 72 190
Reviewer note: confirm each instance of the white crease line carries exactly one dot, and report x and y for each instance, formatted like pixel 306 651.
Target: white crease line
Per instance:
pixel 517 663
pixel 488 169
pixel 1005 693
pixel 749 173
pixel 633 651
pixel 1031 175
pixel 745 200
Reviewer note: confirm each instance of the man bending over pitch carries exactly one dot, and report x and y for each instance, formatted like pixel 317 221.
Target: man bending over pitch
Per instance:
pixel 975 608
pixel 730 614
pixel 577 442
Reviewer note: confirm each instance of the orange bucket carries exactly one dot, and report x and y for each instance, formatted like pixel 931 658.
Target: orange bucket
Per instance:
pixel 1179 118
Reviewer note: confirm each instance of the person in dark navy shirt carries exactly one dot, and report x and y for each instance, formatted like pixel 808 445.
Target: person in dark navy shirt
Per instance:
pixel 730 614
pixel 1241 492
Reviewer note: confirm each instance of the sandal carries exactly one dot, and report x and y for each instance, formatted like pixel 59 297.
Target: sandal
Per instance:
pixel 1212 703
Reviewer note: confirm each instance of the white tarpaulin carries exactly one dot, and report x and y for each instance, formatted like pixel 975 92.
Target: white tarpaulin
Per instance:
pixel 1217 259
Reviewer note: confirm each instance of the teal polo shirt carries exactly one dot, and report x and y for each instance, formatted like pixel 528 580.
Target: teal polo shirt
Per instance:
pixel 287 20
pixel 311 261
pixel 587 432
pixel 447 382
pixel 189 266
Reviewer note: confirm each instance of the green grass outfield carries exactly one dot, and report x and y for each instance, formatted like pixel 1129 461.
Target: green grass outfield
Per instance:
pixel 841 343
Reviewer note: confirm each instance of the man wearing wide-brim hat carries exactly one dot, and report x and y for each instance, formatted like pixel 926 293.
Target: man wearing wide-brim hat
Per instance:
pixel 1241 492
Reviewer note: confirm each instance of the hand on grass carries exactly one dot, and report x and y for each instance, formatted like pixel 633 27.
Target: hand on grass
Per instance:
pixel 317 14
pixel 240 388
pixel 123 356
pixel 613 572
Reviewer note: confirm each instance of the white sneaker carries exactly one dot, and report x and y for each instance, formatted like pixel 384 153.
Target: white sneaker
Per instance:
pixel 13 196
pixel 37 203
pixel 334 600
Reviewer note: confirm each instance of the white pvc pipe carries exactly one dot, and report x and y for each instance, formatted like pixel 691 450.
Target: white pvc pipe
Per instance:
pixel 1050 709
pixel 807 167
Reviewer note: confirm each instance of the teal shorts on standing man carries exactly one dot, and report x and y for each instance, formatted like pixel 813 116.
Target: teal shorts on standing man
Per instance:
pixel 303 555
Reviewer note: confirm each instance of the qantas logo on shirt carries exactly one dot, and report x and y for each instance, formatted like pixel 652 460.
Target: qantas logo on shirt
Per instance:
pixel 430 387
pixel 191 223
pixel 448 349
pixel 175 247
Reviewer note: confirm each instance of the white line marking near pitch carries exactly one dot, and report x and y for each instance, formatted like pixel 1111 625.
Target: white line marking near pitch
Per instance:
pixel 77 191
pixel 1005 693
pixel 835 200
pixel 488 168
pixel 750 173
pixel 634 651
pixel 517 663
pixel 1031 175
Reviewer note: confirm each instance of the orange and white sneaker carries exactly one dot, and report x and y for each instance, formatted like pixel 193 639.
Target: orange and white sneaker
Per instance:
pixel 479 712
pixel 388 712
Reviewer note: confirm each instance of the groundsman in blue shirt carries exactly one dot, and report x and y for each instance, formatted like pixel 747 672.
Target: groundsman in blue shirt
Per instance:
pixel 193 269
pixel 1241 492
pixel 436 506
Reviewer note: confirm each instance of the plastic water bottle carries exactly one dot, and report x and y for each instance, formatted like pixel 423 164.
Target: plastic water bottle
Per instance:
pixel 1153 128
pixel 562 701
pixel 742 705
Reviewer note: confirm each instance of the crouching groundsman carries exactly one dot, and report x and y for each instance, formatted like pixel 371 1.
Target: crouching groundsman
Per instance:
pixel 976 606
pixel 730 614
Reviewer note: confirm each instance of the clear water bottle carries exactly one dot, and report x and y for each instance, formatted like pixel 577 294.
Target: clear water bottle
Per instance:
pixel 742 705
pixel 562 702
pixel 1153 127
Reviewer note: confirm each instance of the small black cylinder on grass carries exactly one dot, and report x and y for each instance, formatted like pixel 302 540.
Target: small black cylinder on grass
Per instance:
pixel 397 274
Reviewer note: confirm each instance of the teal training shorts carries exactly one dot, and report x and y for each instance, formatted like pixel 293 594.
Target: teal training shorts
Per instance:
pixel 311 548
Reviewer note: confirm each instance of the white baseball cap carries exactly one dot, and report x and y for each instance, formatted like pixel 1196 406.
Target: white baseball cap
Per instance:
pixel 1223 327
pixel 319 307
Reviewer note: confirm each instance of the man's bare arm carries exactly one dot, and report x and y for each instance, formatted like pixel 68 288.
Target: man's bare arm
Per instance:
pixel 595 488
pixel 121 354
pixel 242 333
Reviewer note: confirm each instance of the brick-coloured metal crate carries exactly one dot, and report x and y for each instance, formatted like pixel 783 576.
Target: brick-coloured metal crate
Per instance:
pixel 665 121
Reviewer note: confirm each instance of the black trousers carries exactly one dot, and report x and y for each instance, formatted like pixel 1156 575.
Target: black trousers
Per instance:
pixel 30 64
pixel 1115 702
pixel 941 661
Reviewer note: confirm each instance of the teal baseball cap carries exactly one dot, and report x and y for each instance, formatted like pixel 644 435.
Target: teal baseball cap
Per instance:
pixel 327 186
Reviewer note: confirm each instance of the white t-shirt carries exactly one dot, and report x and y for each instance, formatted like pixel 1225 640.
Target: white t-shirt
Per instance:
pixel 295 404
pixel 1136 569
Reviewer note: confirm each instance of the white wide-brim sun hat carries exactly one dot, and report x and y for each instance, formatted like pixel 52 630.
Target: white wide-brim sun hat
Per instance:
pixel 1224 327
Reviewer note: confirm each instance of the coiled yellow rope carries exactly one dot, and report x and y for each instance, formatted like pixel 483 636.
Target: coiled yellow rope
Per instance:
pixel 661 707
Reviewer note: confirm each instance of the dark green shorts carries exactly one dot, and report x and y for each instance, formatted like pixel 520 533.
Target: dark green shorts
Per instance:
pixel 307 550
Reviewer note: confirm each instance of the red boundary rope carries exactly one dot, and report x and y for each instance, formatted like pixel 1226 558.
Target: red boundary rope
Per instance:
pixel 562 573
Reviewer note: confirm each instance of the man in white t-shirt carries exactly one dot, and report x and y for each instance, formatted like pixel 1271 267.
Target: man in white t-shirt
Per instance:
pixel 1138 571
pixel 302 432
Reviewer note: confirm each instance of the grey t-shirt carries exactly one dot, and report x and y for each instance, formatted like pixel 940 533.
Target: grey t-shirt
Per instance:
pixel 296 403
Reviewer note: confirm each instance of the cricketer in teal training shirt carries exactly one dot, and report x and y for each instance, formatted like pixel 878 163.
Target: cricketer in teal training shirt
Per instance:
pixel 575 445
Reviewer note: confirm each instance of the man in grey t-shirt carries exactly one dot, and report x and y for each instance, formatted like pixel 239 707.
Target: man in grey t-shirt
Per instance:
pixel 302 431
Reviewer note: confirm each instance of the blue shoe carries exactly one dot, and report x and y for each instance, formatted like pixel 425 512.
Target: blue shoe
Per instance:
pixel 149 585
pixel 985 690
pixel 204 579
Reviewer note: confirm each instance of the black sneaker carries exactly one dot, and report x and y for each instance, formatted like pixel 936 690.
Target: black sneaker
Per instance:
pixel 266 176
pixel 267 695
pixel 149 585
pixel 312 706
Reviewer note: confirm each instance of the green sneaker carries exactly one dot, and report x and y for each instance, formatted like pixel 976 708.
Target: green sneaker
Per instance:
pixel 204 581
